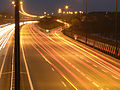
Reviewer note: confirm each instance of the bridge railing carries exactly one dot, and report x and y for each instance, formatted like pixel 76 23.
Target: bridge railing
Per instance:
pixel 109 48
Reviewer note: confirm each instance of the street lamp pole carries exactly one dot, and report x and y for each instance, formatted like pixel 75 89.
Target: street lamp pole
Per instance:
pixel 86 6
pixel 17 47
pixel 116 29
pixel 86 18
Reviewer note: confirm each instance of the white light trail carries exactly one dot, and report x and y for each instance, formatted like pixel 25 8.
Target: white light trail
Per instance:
pixel 7 31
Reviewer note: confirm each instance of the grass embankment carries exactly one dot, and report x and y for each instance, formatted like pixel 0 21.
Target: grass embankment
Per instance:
pixel 49 23
pixel 95 23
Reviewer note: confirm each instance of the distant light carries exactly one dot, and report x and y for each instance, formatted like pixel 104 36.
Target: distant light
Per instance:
pixel 63 12
pixel 13 2
pixel 70 12
pixel 52 13
pixel 21 2
pixel 45 12
pixel 81 12
pixel 66 7
pixel 47 30
pixel 59 10
pixel 75 12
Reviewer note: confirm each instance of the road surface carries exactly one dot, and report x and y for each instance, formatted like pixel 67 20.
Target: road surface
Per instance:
pixel 53 61
pixel 6 55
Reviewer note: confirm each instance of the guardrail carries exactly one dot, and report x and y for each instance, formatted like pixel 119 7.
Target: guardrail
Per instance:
pixel 102 46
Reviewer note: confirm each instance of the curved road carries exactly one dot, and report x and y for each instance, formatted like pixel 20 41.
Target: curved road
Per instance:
pixel 53 61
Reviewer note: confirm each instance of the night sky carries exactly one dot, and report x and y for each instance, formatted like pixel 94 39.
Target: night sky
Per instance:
pixel 39 6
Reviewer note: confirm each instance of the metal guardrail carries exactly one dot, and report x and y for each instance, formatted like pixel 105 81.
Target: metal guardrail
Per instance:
pixel 104 47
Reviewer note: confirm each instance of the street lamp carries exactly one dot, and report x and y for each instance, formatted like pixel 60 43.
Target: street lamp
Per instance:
pixel 66 7
pixel 21 2
pixel 59 10
pixel 13 2
pixel 76 12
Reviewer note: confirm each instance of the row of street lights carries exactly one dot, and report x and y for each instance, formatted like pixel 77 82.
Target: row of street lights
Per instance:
pixel 68 12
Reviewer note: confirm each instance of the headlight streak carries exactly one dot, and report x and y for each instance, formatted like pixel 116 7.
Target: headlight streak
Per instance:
pixel 4 25
pixel 5 36
pixel 93 59
pixel 54 67
pixel 60 72
pixel 86 66
pixel 26 66
pixel 7 31
pixel 77 49
pixel 100 62
pixel 61 59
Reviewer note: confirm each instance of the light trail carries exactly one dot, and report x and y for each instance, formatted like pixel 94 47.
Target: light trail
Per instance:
pixel 66 60
pixel 77 49
pixel 90 58
pixel 3 63
pixel 50 54
pixel 101 60
pixel 79 66
pixel 27 14
pixel 7 31
pixel 26 66
pixel 57 70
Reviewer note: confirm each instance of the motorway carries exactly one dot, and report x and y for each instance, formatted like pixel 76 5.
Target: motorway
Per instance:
pixel 53 61
pixel 6 55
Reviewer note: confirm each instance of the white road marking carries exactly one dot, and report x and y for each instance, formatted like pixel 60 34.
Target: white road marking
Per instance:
pixel 1 70
pixel 94 65
pixel 96 84
pixel 104 70
pixel 115 77
pixel 11 86
pixel 28 74
pixel 53 69
pixel 64 84
pixel 88 78
pixel 87 61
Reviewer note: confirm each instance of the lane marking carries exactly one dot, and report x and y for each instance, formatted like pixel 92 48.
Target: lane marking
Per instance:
pixel 88 53
pixel 96 84
pixel 88 78
pixel 87 61
pixel 104 70
pixel 53 69
pixel 94 65
pixel 11 85
pixel 64 84
pixel 28 74
pixel 115 77
pixel 1 70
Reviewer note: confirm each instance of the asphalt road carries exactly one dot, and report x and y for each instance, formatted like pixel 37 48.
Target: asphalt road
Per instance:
pixel 6 56
pixel 53 61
